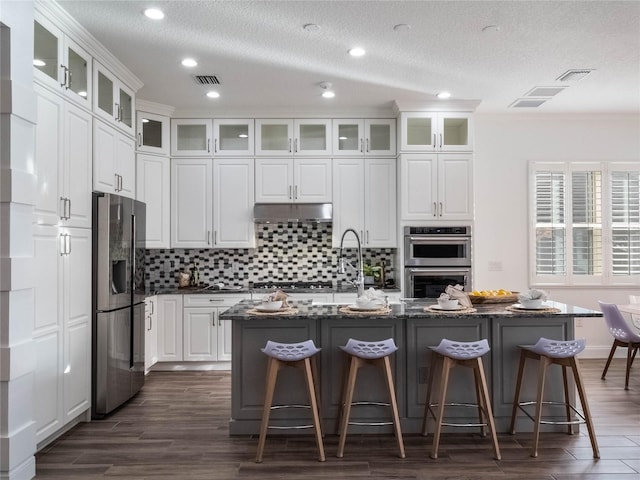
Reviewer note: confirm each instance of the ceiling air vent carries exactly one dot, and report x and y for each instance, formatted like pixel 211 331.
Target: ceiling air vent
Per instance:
pixel 207 80
pixel 574 75
pixel 528 103
pixel 544 91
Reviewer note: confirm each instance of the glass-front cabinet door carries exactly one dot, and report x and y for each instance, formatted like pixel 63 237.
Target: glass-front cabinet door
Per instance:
pixel 191 137
pixel 153 133
pixel 455 132
pixel 113 101
pixel 436 132
pixel 61 63
pixel 312 137
pixel 274 137
pixel 418 131
pixel 380 137
pixel 233 137
pixel 348 137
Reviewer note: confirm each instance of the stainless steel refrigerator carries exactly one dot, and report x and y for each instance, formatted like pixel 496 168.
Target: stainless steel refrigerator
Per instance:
pixel 118 301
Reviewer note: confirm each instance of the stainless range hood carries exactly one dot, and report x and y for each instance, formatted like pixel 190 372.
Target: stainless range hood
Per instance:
pixel 292 212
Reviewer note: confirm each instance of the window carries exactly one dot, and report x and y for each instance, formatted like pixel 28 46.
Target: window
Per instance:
pixel 586 223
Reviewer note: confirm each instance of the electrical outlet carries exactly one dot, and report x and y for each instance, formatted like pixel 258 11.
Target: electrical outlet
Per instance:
pixel 578 322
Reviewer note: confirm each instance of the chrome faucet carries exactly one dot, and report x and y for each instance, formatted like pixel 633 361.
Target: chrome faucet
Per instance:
pixel 359 281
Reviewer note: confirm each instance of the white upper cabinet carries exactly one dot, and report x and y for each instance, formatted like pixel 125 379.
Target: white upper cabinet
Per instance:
pixel 364 198
pixel 153 133
pixel 286 180
pixel 61 63
pixel 436 132
pixel 113 100
pixel 233 191
pixel 191 137
pixel 113 161
pixel 233 137
pixel 370 137
pixel 63 156
pixel 153 186
pixel 436 187
pixel 191 203
pixel 285 137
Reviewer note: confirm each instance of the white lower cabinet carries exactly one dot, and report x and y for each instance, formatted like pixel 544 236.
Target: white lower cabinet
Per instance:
pixel 436 187
pixel 151 332
pixel 169 328
pixel 62 326
pixel 194 322
pixel 364 198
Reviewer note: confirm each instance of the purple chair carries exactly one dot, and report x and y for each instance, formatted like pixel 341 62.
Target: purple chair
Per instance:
pixel 623 336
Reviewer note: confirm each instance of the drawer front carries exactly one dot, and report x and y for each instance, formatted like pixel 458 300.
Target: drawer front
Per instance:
pixel 214 300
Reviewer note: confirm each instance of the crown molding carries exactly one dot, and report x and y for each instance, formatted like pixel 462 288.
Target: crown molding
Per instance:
pixel 153 107
pixel 52 11
pixel 436 106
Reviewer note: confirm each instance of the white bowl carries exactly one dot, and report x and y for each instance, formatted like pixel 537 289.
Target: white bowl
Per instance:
pixel 363 302
pixel 528 303
pixel 271 305
pixel 448 304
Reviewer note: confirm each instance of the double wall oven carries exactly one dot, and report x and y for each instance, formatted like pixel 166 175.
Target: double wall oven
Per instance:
pixel 435 257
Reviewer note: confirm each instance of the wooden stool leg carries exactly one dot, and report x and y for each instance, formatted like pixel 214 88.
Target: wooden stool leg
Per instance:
pixel 313 401
pixel 386 365
pixel 487 404
pixel 435 363
pixel 567 399
pixel 273 365
pixel 516 398
pixel 354 364
pixel 479 400
pixel 585 406
pixel 343 393
pixel 542 371
pixel 606 366
pixel 444 380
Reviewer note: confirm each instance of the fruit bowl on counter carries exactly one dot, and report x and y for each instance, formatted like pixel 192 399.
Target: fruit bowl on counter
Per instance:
pixel 493 296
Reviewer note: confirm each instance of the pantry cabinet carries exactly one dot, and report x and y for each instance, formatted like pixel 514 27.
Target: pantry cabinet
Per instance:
pixel 233 199
pixel 364 198
pixel 287 137
pixel 191 137
pixel 62 326
pixel 436 132
pixel 285 180
pixel 169 328
pixel 191 203
pixel 152 133
pixel 113 161
pixel 436 187
pixel 233 137
pixel 153 185
pixel 62 163
pixel 368 137
pixel 61 63
pixel 114 101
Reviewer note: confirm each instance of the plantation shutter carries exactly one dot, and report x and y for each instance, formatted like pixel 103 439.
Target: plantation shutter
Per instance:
pixel 550 223
pixel 586 230
pixel 625 222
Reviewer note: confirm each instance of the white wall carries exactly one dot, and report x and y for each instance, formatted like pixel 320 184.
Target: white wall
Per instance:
pixel 504 145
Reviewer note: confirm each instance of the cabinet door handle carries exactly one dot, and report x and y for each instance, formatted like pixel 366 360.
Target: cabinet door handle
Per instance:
pixel 62 247
pixel 434 141
pixel 361 145
pixel 120 182
pixel 367 235
pixel 153 308
pixel 219 322
pixel 289 145
pixel 367 145
pixel 208 237
pixel 435 209
pixel 440 208
pixel 139 139
pixel 64 78
pixel 117 112
pixel 216 299
pixel 440 140
pixel 295 145
pixel 117 183
pixel 63 208
pixel 290 194
pixel 67 211
pixel 215 145
pixel 295 192
pixel 208 145
pixel 67 243
pixel 215 237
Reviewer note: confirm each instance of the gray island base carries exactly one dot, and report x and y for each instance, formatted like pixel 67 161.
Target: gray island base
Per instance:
pixel 413 330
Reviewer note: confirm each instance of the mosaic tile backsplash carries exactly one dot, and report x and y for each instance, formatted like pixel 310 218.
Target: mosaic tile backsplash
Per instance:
pixel 284 252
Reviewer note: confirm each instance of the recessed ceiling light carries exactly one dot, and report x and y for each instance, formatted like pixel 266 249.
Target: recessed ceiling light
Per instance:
pixel 38 63
pixel 328 94
pixel 357 52
pixel 213 94
pixel 311 27
pixel 154 13
pixel 443 95
pixel 189 62
pixel 401 27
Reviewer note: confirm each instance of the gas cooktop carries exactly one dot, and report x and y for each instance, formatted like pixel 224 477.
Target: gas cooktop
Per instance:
pixel 291 285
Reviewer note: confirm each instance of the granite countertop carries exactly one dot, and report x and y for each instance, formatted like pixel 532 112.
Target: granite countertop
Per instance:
pixel 227 290
pixel 410 309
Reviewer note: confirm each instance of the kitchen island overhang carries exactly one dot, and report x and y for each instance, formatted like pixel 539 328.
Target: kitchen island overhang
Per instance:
pixel 413 330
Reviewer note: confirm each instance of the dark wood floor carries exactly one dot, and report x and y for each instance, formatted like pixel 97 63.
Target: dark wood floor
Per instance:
pixel 176 428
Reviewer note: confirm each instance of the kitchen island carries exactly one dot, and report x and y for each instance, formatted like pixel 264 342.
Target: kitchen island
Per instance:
pixel 413 328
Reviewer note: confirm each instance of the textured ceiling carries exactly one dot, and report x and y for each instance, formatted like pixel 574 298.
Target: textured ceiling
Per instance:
pixel 268 63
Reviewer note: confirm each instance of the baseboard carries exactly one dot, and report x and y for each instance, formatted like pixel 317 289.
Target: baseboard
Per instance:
pixel 602 352
pixel 25 471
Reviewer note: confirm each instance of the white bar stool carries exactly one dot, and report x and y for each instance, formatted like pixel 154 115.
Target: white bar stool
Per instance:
pixel 295 355
pixel 360 354
pixel 559 352
pixel 464 354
